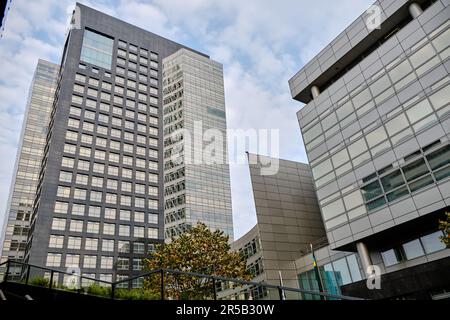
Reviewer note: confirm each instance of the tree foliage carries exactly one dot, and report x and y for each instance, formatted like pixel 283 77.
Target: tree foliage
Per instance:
pixel 444 225
pixel 201 251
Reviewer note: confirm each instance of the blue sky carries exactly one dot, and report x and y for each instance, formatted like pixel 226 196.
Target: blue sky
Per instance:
pixel 261 43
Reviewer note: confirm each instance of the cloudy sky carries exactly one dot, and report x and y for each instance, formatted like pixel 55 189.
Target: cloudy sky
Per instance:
pixel 261 43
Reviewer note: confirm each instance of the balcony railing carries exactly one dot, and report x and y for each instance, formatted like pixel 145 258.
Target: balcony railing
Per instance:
pixel 165 284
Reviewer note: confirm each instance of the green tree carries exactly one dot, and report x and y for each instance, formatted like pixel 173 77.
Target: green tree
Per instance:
pixel 444 225
pixel 201 251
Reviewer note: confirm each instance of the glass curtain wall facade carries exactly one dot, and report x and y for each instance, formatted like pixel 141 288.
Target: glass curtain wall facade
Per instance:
pixel 99 203
pixel 194 103
pixel 28 162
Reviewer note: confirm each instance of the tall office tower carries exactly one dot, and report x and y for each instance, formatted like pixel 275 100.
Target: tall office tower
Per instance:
pixel 197 182
pixel 28 162
pixel 99 203
pixel 376 128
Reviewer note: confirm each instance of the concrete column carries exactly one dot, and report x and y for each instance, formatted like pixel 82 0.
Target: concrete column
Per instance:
pixel 315 91
pixel 415 10
pixel 363 253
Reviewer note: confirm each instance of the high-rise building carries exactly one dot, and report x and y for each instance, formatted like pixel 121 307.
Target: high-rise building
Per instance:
pixel 196 182
pixel 99 203
pixel 28 163
pixel 376 128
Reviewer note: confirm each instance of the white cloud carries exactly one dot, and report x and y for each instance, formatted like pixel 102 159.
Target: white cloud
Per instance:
pixel 261 44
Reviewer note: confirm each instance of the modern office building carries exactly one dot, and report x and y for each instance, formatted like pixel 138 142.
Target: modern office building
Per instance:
pixel 196 182
pixel 288 221
pixel 100 200
pixel 376 128
pixel 28 163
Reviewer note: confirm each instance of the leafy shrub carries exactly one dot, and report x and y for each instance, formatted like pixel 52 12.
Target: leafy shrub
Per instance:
pixel 135 294
pixel 97 290
pixel 40 282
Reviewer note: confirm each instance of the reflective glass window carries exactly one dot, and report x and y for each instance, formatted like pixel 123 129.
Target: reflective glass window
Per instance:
pixel 413 249
pixel 97 49
pixel 392 180
pixel 414 170
pixel 432 242
pixel 439 158
pixel 371 190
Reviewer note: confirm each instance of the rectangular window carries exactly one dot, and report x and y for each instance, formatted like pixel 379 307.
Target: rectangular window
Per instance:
pixel 391 257
pixel 91 244
pixel 76 112
pixel 97 49
pixel 53 260
pixel 140 203
pixel 413 249
pixel 70 148
pixel 432 242
pixel 111 198
pixel 139 232
pixel 78 209
pixel 80 77
pixel 77 99
pixel 123 264
pixel 110 213
pixel 371 191
pixel 63 192
pixel 421 183
pixel 74 243
pixel 79 194
pixel 90 262
pixel 83 165
pixel 125 214
pixel 139 217
pixel 152 218
pixel 341 268
pixel 124 246
pixel 76 225
pixel 65 176
pixel 439 158
pixel 94 211
pixel 109 229
pixel 56 241
pixel 397 194
pixel 137 264
pixel 106 263
pixel 108 245
pixel 124 230
pixel 111 184
pixel 86 138
pixel 414 170
pixel 93 227
pixel 138 248
pixel 61 207
pixel 152 233
pixel 153 204
pixel 393 180
pixel 67 162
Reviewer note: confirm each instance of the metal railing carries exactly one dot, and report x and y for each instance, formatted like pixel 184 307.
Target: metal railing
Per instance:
pixel 283 292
